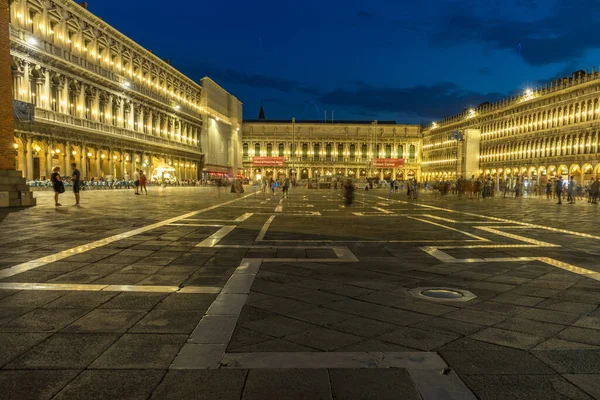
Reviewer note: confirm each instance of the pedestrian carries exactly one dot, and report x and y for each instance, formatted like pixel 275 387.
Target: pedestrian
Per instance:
pixel 595 190
pixel 506 188
pixel 571 189
pixel 57 185
pixel 273 186
pixel 548 190
pixel 143 183
pixel 76 179
pixel 558 186
pixel 136 181
pixel 285 187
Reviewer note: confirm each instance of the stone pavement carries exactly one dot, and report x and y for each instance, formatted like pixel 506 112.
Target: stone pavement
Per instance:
pixel 191 293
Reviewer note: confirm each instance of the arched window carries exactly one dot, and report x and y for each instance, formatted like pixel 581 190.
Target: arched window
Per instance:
pixel 280 150
pixel 269 150
pixel 412 151
pixel 328 150
pixel 352 151
pixel 388 151
pixel 317 151
pixel 363 151
pixel 400 151
pixel 245 147
pixel 257 149
pixel 340 151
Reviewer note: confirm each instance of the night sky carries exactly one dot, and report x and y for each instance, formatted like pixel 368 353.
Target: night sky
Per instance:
pixel 410 61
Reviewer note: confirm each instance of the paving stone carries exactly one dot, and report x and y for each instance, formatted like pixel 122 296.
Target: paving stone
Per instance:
pixel 363 327
pixel 323 339
pixel 497 362
pixel 360 384
pixel 499 308
pixel 185 301
pixel 507 338
pixel 580 361
pixel 30 299
pixel 208 384
pixel 168 321
pixel 283 306
pixel 567 306
pixel 417 338
pixel 445 325
pixel 588 322
pixel 243 337
pixel 590 383
pixel 134 301
pixel 552 316
pixel 250 313
pixel 320 316
pixel 141 351
pixel 307 384
pixel 516 299
pixel 278 326
pixel 374 345
pixel 543 329
pixel 9 314
pixel 523 387
pixel 15 344
pixel 121 279
pixel 107 385
pixel 44 320
pixel 377 312
pixel 560 344
pixel 476 317
pixel 33 385
pixel 140 269
pixel 106 321
pixel 81 300
pixel 64 351
pixel 273 345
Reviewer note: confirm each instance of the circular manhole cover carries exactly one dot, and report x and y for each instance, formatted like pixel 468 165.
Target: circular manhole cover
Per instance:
pixel 442 294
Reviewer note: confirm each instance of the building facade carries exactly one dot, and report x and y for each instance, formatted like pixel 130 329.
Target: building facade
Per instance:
pixel 313 149
pixel 85 93
pixel 531 138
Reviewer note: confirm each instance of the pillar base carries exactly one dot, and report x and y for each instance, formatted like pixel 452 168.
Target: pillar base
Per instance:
pixel 14 192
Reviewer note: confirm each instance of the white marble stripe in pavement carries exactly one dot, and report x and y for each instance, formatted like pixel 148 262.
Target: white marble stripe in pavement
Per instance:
pixel 216 237
pixel 207 344
pixel 90 287
pixel 29 265
pixel 264 229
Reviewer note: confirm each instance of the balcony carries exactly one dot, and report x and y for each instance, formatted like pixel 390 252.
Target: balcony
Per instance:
pixel 54 118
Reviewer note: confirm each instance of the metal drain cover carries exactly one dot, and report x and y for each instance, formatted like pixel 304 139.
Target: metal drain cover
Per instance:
pixel 442 294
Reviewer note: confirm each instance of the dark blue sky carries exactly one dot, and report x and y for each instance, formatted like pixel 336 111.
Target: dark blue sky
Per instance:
pixel 409 61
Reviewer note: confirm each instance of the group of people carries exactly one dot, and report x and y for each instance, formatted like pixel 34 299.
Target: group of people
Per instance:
pixel 59 187
pixel 274 185
pixel 569 189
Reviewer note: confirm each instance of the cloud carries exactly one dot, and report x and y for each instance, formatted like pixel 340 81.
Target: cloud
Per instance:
pixel 364 14
pixel 561 33
pixel 422 101
pixel 263 81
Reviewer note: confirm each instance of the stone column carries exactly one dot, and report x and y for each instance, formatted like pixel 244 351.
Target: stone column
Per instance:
pixel 29 156
pixel 67 170
pixel 98 171
pixel 21 158
pixel 111 164
pixel 123 164
pixel 82 162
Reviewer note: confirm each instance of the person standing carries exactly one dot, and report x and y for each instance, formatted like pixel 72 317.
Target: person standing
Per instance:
pixel 558 187
pixel 76 178
pixel 57 185
pixel 136 181
pixel 285 187
pixel 143 183
pixel 572 187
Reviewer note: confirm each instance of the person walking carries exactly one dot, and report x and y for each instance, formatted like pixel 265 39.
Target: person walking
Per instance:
pixel 285 187
pixel 57 185
pixel 76 179
pixel 143 183
pixel 558 187
pixel 136 181
pixel 595 188
pixel 571 188
pixel 548 190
